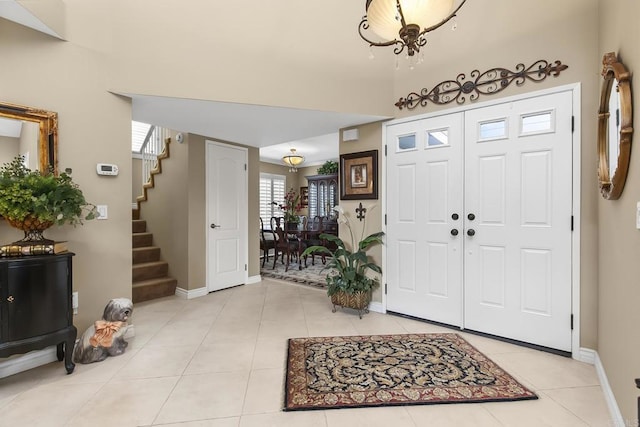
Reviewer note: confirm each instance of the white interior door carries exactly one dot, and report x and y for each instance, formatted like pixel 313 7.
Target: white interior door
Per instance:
pixel 505 173
pixel 518 186
pixel 226 215
pixel 424 218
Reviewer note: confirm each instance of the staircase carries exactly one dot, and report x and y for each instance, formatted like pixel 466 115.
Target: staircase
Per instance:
pixel 150 274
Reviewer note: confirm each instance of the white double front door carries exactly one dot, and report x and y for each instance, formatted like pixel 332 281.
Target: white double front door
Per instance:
pixel 479 222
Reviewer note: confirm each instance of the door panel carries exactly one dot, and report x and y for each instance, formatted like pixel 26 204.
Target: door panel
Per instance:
pixel 519 188
pixel 227 216
pixel 425 176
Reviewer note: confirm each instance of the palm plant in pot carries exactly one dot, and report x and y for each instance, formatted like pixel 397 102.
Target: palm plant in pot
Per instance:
pixel 347 283
pixel 33 201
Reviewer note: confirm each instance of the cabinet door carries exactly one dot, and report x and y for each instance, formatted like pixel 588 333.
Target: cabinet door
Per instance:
pixel 313 199
pixel 40 303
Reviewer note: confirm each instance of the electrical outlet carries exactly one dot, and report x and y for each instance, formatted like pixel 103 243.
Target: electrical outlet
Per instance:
pixel 74 302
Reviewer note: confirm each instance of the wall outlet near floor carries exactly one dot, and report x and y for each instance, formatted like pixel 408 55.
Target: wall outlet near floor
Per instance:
pixel 74 302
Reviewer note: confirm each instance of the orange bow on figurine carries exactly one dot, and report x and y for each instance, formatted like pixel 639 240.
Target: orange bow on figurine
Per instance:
pixel 104 333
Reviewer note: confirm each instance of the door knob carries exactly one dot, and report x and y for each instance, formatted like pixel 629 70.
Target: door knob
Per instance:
pixel 471 217
pixel 471 232
pixel 214 226
pixel 454 232
pixel 455 216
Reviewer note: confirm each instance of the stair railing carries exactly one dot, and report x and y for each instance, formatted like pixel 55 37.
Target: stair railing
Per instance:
pixel 154 144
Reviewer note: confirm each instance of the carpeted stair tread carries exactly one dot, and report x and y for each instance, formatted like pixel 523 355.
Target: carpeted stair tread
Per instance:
pixel 145 290
pixel 141 239
pixel 150 270
pixel 139 226
pixel 146 254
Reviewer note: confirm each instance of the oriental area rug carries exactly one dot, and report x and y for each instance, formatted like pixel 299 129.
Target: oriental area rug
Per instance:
pixel 387 370
pixel 312 275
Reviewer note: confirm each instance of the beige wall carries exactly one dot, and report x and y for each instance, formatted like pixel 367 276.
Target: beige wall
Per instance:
pixel 370 138
pixel 94 126
pixel 136 179
pixel 619 240
pixel 166 211
pixel 278 67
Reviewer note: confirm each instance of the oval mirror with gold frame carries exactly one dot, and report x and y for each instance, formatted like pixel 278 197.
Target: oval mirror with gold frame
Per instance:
pixel 615 118
pixel 48 131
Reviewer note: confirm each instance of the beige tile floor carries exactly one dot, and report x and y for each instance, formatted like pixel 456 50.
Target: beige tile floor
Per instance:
pixel 219 361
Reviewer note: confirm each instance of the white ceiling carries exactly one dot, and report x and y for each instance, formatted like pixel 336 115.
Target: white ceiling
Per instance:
pixel 313 133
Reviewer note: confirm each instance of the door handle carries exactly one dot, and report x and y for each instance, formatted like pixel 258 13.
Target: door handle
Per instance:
pixel 214 226
pixel 471 232
pixel 471 217
pixel 455 216
pixel 454 232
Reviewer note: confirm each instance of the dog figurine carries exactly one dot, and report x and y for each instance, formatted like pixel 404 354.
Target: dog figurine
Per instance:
pixel 105 337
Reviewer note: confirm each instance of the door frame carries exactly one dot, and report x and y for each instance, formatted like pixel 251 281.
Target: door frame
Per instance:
pixel 244 219
pixel 574 89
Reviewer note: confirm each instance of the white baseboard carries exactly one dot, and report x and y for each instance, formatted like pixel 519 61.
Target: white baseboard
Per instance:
pixel 377 307
pixel 586 355
pixel 253 279
pixel 614 410
pixel 27 361
pixel 191 293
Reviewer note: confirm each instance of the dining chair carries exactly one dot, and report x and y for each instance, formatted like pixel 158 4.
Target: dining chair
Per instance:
pixel 267 242
pixel 313 231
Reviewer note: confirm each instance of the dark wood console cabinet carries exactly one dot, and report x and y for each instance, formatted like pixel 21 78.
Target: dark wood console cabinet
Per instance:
pixel 35 306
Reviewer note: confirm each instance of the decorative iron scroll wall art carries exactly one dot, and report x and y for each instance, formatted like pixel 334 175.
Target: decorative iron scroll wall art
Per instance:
pixel 488 83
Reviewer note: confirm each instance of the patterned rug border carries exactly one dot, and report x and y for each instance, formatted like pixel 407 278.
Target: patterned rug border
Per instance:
pixel 525 395
pixel 313 276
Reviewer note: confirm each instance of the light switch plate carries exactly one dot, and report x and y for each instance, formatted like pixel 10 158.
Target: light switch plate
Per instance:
pixel 103 212
pixel 638 216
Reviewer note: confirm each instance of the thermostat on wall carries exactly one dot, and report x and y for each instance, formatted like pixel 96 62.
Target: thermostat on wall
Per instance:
pixel 106 169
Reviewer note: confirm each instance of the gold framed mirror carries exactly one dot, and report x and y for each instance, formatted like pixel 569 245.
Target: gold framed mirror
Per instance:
pixel 47 134
pixel 615 119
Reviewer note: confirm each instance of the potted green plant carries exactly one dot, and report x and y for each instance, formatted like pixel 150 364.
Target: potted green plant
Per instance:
pixel 347 283
pixel 329 167
pixel 33 201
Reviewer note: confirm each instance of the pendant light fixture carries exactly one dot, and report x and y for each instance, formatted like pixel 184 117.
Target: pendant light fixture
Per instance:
pixel 293 160
pixel 404 23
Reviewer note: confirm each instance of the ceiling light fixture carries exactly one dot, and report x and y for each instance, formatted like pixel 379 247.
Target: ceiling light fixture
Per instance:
pixel 293 160
pixel 404 23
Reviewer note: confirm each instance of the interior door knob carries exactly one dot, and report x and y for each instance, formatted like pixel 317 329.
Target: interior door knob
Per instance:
pixel 214 226
pixel 455 216
pixel 471 232
pixel 471 217
pixel 454 232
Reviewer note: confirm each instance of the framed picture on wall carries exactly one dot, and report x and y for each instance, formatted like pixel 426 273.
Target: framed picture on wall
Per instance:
pixel 304 196
pixel 359 175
